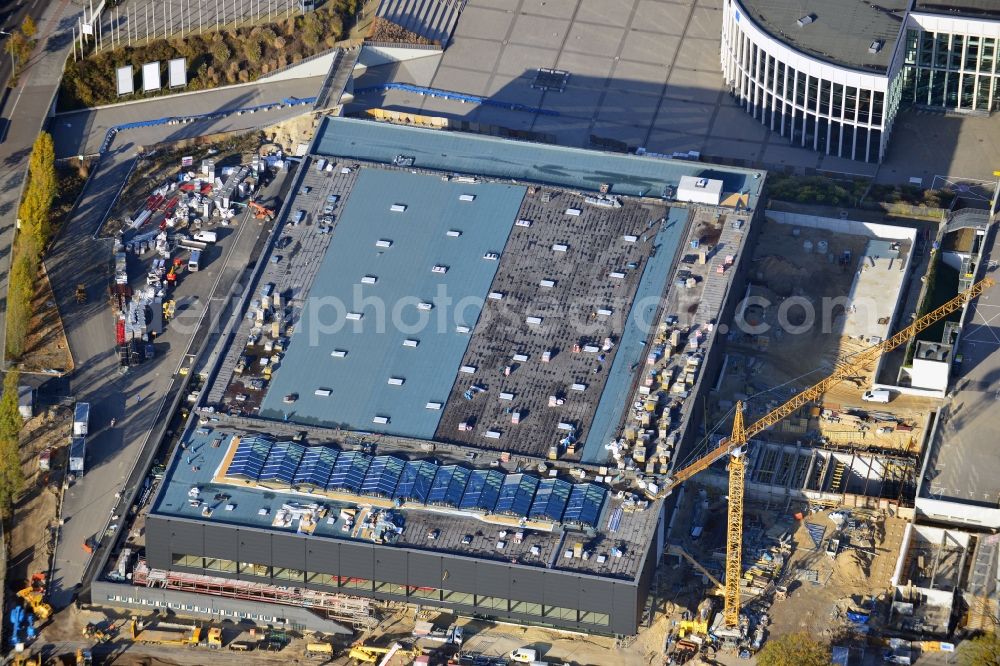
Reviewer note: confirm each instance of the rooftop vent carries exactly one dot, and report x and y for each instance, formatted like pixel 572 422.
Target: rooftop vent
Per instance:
pixel 806 20
pixel 876 46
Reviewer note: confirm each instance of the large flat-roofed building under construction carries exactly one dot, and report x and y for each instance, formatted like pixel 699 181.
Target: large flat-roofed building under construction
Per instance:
pixel 462 364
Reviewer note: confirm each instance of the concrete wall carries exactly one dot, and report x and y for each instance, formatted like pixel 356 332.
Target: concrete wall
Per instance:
pixel 317 65
pixel 835 224
pixel 373 55
pixel 956 513
pixel 930 375
pixel 202 606
pixel 621 600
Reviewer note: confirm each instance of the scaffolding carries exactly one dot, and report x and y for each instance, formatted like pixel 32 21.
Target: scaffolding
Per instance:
pixel 355 611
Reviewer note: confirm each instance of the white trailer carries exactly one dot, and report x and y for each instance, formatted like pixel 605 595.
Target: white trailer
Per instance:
pixel 81 419
pixel 77 454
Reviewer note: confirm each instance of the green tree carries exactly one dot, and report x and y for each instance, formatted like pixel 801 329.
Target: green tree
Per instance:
pixel 799 649
pixel 980 651
pixel 11 474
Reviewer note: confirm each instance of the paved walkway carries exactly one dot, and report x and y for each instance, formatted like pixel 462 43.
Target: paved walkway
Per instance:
pixel 82 132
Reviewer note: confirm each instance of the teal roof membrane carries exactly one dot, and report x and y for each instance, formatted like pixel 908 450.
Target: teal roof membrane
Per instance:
pixel 359 381
pixel 520 160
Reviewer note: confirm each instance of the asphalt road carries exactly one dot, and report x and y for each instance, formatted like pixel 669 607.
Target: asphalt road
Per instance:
pixel 24 111
pixel 82 132
pixel 77 257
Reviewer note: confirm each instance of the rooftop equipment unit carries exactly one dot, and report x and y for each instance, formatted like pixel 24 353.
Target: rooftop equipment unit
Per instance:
pixel 806 20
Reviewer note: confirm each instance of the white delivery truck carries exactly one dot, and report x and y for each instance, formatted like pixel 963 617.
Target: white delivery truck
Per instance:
pixel 206 236
pixel 81 419
pixel 876 395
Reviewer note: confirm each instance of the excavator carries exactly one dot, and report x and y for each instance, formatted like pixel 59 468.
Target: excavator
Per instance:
pixel 735 446
pixel 34 596
pixel 369 655
pixel 260 212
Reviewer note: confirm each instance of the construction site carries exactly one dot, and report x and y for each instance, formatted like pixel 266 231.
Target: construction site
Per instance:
pixel 462 394
pixel 421 491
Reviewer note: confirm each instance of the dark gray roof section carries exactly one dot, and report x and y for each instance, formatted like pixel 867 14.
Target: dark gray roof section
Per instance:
pixel 841 31
pixel 432 19
pixel 973 8
pixel 563 166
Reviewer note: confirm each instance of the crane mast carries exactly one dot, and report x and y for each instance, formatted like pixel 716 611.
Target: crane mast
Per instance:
pixel 735 444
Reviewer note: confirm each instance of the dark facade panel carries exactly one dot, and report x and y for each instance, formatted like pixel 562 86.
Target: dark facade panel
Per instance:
pixel 158 549
pixel 505 591
pixel 492 579
pixel 527 585
pixel 390 565
pixel 291 553
pixel 323 556
pixel 595 594
pixel 458 574
pixel 558 593
pixel 221 543
pixel 357 561
pixel 425 570
pixel 255 546
pixel 187 539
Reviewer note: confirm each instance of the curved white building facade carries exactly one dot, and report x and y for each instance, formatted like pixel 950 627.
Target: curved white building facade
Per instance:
pixel 814 104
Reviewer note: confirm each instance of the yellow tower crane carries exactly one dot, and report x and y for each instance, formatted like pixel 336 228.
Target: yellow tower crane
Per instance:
pixel 735 445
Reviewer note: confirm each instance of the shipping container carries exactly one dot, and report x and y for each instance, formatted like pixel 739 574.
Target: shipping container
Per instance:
pixel 77 454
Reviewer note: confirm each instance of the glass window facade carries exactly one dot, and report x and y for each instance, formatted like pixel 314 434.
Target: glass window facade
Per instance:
pixel 813 109
pixel 485 605
pixel 840 112
pixel 952 71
